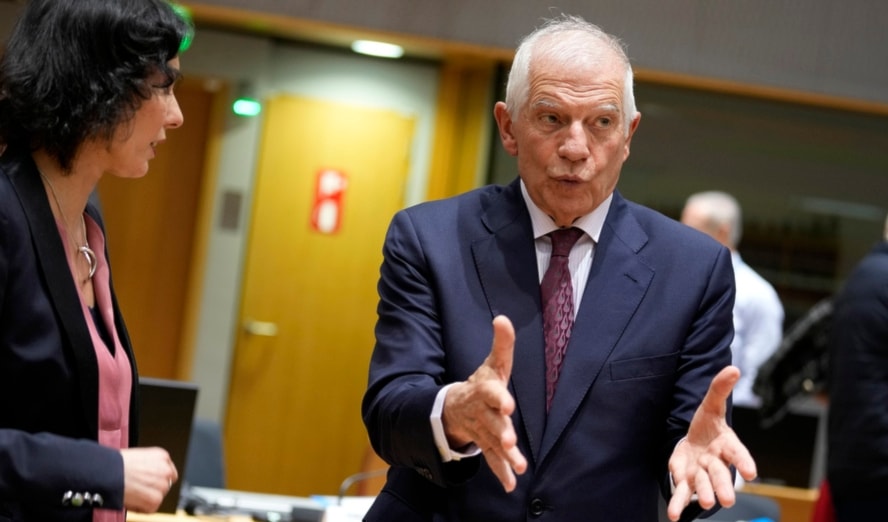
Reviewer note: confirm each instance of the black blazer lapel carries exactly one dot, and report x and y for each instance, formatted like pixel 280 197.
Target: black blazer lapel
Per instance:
pixel 54 268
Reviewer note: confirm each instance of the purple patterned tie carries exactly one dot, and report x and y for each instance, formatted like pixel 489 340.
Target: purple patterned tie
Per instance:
pixel 557 293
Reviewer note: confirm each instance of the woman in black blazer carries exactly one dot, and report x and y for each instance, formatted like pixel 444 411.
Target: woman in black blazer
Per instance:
pixel 86 89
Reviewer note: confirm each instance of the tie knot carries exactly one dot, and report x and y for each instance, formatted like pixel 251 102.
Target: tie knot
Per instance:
pixel 564 239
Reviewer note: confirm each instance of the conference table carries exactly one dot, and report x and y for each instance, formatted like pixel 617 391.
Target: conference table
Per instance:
pixel 316 508
pixel 184 517
pixel 796 505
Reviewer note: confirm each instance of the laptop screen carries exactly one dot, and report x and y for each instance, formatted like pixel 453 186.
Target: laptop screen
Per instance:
pixel 166 417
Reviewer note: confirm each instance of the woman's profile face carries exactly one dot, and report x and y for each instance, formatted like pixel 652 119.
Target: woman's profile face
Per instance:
pixel 135 142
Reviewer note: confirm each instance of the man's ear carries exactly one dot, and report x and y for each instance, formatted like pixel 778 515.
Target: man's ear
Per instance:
pixel 633 125
pixel 504 124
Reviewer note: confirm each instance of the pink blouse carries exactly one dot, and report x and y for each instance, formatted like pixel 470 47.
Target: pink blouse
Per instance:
pixel 115 373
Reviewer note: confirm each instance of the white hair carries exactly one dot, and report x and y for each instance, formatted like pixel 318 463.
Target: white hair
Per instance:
pixel 720 209
pixel 577 33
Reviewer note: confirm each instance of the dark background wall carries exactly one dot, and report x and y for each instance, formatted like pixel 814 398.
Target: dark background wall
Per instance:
pixel 829 47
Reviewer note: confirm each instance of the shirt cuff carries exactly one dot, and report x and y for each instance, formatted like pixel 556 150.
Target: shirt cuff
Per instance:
pixel 447 453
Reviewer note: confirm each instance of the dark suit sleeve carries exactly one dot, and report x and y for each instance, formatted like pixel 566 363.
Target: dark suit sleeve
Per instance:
pixel 706 352
pixel 40 468
pixel 407 367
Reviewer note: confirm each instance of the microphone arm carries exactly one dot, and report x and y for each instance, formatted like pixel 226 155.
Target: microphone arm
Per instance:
pixel 357 477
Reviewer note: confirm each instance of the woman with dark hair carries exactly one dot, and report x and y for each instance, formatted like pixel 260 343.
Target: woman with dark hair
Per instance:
pixel 86 89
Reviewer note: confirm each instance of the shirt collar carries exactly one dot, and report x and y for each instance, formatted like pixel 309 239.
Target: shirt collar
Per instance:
pixel 591 223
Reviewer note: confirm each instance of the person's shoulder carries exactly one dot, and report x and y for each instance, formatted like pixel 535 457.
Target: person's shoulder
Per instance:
pixel 662 227
pixel 753 276
pixel 870 275
pixel 666 244
pixel 879 253
pixel 755 294
pixel 472 200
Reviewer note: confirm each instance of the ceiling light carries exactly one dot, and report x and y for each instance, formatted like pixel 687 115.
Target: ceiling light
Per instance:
pixel 381 49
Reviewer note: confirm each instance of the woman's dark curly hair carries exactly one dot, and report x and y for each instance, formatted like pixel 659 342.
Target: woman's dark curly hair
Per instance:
pixel 74 71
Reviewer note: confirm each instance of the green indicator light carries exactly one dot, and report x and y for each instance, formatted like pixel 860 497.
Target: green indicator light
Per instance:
pixel 246 107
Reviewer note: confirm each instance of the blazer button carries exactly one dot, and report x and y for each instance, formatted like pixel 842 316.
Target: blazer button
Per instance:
pixel 537 507
pixel 77 501
pixel 425 473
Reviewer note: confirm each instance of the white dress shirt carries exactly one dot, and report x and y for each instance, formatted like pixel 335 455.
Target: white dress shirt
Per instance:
pixel 758 328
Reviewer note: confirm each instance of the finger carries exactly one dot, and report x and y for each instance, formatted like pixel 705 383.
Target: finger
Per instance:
pixel 705 493
pixel 517 461
pixel 501 468
pixel 680 498
pixel 511 452
pixel 501 353
pixel 722 484
pixel 504 457
pixel 742 459
pixel 497 433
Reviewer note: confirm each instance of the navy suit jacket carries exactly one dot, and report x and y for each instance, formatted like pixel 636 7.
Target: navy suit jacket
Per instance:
pixel 857 437
pixel 652 330
pixel 49 383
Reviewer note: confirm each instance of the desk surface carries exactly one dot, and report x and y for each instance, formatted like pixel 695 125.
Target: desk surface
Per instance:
pixel 796 504
pixel 181 516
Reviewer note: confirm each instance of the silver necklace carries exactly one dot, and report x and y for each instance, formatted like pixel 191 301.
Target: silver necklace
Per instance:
pixel 83 249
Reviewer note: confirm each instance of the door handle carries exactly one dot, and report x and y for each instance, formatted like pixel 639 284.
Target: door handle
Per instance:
pixel 260 328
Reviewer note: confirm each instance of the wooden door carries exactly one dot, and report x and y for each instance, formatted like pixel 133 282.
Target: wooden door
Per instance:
pixel 309 298
pixel 150 224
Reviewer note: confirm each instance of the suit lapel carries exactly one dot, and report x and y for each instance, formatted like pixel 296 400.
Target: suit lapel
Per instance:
pixel 53 264
pixel 506 264
pixel 617 282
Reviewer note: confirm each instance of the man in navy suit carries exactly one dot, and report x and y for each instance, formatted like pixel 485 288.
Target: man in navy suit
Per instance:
pixel 857 437
pixel 641 407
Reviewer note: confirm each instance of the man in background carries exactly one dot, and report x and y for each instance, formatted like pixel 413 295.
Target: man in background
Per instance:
pixel 857 441
pixel 758 312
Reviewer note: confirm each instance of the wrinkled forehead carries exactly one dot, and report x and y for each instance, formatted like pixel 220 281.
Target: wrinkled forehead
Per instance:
pixel 586 72
pixel 577 56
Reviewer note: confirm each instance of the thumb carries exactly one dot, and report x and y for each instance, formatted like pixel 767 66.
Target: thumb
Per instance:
pixel 501 353
pixel 720 389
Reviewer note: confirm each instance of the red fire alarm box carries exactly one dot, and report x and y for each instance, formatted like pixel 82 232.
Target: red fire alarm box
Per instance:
pixel 326 213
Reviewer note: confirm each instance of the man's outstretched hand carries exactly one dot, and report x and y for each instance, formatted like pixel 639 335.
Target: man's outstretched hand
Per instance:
pixel 700 463
pixel 479 410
